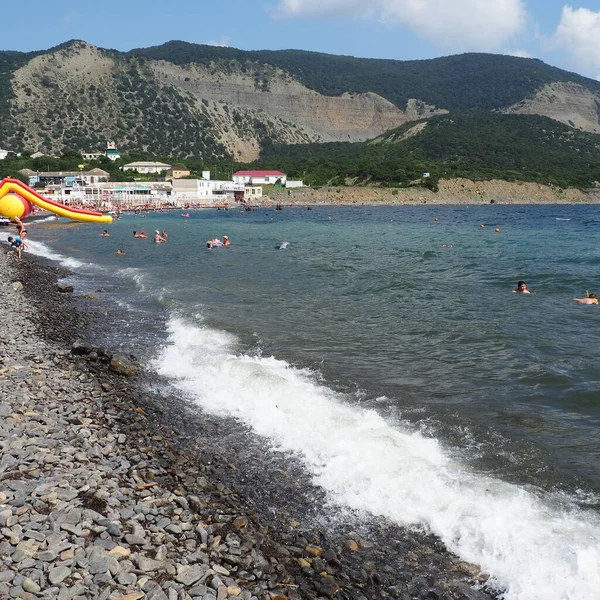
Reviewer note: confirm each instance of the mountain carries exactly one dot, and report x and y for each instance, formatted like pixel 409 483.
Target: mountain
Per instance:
pixel 470 144
pixel 187 100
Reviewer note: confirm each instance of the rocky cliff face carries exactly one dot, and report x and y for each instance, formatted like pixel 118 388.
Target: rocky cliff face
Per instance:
pixel 79 96
pixel 569 103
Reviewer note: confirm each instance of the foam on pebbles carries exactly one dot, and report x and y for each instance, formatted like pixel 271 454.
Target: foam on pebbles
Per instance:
pixel 96 502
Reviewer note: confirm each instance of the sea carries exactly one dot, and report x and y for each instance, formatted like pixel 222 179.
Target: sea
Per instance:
pixel 383 348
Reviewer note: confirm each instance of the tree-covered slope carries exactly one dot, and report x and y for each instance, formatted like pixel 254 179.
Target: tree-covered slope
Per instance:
pixel 461 82
pixel 475 144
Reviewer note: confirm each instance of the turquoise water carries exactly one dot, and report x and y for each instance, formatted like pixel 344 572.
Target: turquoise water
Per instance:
pixel 409 324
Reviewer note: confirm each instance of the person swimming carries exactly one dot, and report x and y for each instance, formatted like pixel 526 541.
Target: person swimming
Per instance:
pixel 226 241
pixel 521 288
pixel 158 239
pixel 214 243
pixel 589 299
pixel 105 233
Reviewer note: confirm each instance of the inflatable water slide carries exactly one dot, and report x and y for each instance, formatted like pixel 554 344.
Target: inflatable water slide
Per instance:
pixel 17 200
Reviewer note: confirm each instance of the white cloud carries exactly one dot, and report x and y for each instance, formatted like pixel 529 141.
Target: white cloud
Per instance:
pixel 578 33
pixel 461 24
pixel 324 8
pixel 518 53
pixel 223 42
pixel 458 25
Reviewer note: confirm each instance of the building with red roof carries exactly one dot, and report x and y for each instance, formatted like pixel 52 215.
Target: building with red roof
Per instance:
pixel 259 177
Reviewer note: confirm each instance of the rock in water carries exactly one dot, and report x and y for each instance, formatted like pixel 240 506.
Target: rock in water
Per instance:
pixel 122 366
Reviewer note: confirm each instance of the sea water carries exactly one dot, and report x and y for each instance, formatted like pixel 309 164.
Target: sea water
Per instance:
pixel 383 347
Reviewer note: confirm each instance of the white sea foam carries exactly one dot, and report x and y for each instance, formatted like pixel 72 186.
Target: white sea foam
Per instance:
pixel 534 546
pixel 41 249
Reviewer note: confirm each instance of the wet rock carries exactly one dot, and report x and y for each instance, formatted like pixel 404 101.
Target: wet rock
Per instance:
pixel 81 348
pixel 122 366
pixel 64 288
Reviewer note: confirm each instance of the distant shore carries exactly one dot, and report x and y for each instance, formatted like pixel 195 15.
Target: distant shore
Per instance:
pixel 451 191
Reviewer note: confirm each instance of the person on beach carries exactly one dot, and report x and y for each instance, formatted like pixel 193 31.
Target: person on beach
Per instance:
pixel 105 233
pixel 158 239
pixel 226 241
pixel 16 244
pixel 589 299
pixel 521 288
pixel 21 232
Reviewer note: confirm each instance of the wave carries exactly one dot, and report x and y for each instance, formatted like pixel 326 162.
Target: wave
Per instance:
pixel 534 546
pixel 41 249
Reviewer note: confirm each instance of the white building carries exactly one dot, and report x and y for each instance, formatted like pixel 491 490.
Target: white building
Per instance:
pixel 3 154
pixel 207 190
pixel 146 167
pixel 259 177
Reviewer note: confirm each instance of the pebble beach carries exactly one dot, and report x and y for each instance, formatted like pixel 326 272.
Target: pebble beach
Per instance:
pixel 110 491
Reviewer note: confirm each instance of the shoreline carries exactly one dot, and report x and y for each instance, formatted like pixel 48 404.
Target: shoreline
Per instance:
pixel 451 191
pixel 112 490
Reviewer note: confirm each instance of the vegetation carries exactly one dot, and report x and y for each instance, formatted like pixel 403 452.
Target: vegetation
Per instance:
pixel 462 82
pixel 473 144
pixel 152 119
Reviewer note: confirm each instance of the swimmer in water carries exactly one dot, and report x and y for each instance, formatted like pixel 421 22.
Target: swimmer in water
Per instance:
pixel 105 233
pixel 158 239
pixel 521 288
pixel 589 299
pixel 120 252
pixel 226 241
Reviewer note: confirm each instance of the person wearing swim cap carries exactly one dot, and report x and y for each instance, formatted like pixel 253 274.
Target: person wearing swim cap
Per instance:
pixel 226 241
pixel 158 239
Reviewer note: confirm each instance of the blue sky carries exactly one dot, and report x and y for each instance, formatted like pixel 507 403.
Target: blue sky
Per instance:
pixel 564 35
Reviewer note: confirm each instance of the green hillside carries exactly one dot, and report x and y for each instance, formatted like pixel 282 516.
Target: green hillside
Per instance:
pixel 461 82
pixel 474 144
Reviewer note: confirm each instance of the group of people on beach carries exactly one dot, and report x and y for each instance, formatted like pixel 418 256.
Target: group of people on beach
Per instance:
pixel 590 298
pixel 17 243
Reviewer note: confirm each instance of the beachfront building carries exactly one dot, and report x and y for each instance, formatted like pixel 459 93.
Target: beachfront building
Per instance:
pixel 64 178
pixel 146 167
pixel 130 194
pixel 176 172
pixel 252 192
pixel 207 191
pixel 259 177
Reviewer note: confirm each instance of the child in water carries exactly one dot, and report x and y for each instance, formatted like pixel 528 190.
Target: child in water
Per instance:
pixel 16 244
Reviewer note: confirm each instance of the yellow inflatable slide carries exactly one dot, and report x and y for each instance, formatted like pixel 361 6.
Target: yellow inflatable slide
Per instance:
pixel 17 199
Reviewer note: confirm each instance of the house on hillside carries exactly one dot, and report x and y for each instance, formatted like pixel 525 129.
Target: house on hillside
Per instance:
pixel 259 177
pixel 177 173
pixel 146 167
pixel 110 152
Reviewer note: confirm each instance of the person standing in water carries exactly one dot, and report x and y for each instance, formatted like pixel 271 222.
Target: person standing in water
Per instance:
pixel 158 239
pixel 21 232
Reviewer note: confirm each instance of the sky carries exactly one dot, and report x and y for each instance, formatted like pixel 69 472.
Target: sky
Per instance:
pixel 561 34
